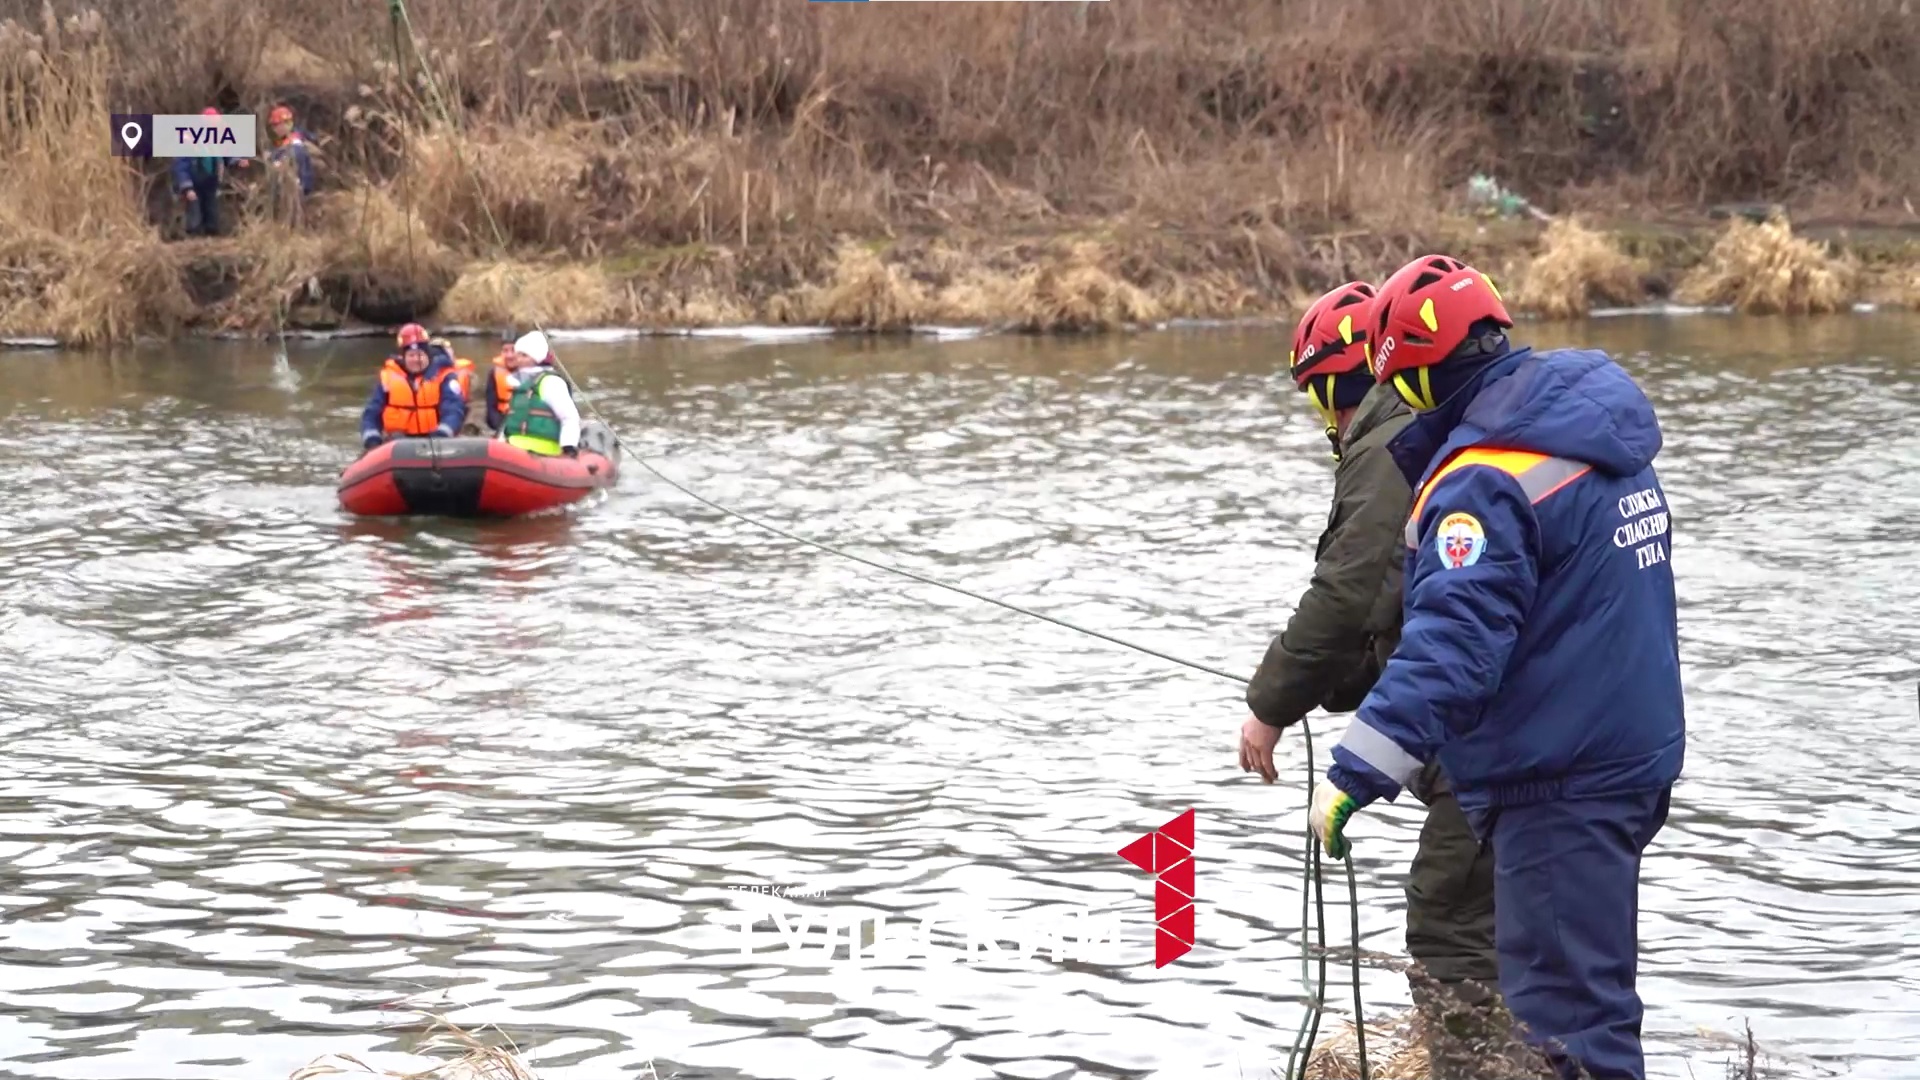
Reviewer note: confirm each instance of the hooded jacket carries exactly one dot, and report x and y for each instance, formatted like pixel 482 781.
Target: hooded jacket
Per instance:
pixel 1539 653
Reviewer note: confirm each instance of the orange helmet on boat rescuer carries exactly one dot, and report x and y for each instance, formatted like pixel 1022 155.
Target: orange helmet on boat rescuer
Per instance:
pixel 1434 309
pixel 1330 353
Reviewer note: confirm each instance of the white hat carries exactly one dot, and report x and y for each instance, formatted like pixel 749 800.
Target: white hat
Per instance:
pixel 533 344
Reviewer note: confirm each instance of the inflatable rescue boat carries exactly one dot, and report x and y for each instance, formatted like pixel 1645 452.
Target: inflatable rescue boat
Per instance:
pixel 475 477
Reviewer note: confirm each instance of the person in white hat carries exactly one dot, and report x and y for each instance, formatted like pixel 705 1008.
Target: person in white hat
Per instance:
pixel 541 416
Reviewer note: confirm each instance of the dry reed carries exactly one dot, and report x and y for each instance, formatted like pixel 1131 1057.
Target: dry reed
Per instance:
pixel 1394 1052
pixel 474 1060
pixel 525 294
pixel 1764 269
pixel 1193 157
pixel 1575 267
pixel 863 294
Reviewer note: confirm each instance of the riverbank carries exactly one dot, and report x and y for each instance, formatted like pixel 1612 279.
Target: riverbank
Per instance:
pixel 741 162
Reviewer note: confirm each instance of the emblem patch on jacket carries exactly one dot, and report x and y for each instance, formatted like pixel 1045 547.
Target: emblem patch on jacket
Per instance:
pixel 1460 540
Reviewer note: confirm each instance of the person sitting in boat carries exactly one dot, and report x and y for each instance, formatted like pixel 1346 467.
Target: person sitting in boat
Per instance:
pixel 418 394
pixel 500 386
pixel 541 416
pixel 462 369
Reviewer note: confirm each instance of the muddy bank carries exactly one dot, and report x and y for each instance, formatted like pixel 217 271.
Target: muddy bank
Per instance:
pixel 1073 282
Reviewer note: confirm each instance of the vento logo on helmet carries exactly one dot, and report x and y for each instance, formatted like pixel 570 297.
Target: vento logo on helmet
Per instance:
pixel 1380 358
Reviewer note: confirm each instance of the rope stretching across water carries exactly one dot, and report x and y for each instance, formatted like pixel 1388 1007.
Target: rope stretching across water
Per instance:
pixel 1313 981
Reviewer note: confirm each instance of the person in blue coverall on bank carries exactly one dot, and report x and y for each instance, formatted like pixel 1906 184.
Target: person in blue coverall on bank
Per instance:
pixel 1539 656
pixel 197 182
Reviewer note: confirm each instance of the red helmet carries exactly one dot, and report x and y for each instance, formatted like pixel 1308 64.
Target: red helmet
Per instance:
pixel 413 334
pixel 1330 352
pixel 1332 336
pixel 1424 312
pixel 280 114
pixel 209 111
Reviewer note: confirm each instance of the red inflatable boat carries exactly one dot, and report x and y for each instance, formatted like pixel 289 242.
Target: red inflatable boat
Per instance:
pixel 473 477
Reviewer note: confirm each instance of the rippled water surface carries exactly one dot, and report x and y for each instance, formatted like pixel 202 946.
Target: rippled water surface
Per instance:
pixel 272 769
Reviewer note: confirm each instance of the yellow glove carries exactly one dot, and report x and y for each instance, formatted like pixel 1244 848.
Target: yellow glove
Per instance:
pixel 1328 817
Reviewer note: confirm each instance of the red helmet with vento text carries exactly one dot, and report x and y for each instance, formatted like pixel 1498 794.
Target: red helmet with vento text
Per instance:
pixel 1328 361
pixel 1425 311
pixel 1332 336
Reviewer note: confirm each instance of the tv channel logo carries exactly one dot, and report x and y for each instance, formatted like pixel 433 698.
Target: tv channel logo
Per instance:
pixel 168 135
pixel 1166 853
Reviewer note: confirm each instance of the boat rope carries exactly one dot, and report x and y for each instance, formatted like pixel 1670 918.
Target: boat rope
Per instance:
pixel 394 14
pixel 1313 981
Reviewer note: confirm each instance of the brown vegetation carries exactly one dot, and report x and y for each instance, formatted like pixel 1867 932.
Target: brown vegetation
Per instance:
pixel 474 1058
pixel 676 162
pixel 1766 269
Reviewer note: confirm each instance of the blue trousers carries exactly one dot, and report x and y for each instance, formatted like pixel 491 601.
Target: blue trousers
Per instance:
pixel 1567 911
pixel 203 214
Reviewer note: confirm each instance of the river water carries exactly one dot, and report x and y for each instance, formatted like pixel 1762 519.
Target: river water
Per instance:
pixel 273 770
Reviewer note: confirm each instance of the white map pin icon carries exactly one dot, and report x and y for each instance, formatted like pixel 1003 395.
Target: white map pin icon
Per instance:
pixel 130 134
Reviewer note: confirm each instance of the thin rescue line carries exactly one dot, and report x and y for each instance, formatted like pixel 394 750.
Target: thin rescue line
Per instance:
pixel 1316 990
pixel 925 580
pixel 1313 880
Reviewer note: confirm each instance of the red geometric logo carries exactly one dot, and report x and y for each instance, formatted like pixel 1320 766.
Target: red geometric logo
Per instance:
pixel 1167 854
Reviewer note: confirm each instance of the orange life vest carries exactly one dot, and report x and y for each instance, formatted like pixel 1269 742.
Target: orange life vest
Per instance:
pixel 502 388
pixel 462 367
pixel 413 408
pixel 463 371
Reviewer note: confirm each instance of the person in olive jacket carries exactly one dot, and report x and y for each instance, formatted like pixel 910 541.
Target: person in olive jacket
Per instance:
pixel 1338 641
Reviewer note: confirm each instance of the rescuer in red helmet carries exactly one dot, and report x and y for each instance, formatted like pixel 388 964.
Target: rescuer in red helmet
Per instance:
pixel 1539 658
pixel 1336 643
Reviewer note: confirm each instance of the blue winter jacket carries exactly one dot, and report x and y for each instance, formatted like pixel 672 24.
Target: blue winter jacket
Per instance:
pixel 187 172
pixel 296 148
pixel 1539 659
pixel 453 407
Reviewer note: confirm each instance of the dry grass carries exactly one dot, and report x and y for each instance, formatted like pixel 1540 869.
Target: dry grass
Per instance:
pixel 1576 267
pixel 523 294
pixel 1764 269
pixel 77 261
pixel 1447 1035
pixel 863 294
pixel 474 1060
pixel 1192 157
pixel 1394 1052
pixel 1076 291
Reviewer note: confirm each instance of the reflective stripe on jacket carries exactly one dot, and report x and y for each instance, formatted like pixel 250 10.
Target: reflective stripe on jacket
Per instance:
pixel 1539 654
